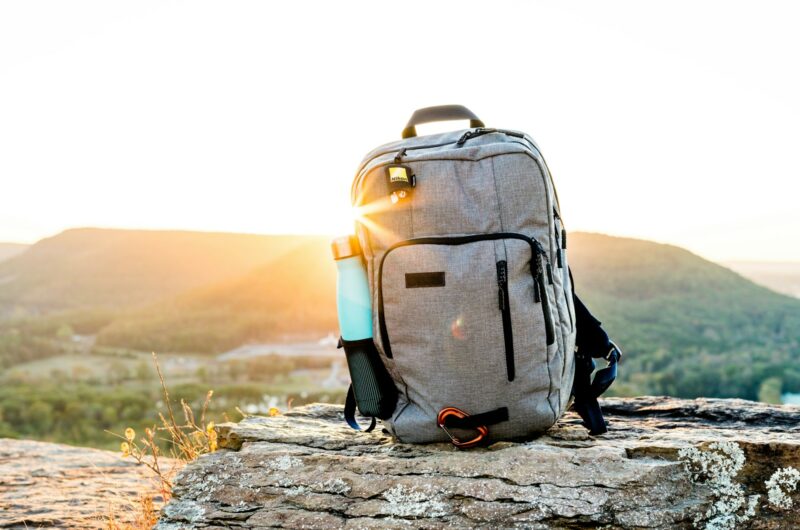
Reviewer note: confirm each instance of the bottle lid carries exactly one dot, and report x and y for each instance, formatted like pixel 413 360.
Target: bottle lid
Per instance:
pixel 345 247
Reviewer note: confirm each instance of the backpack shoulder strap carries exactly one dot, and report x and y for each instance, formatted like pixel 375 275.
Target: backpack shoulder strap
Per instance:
pixel 592 342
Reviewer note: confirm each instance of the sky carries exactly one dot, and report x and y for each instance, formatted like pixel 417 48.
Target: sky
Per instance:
pixel 675 121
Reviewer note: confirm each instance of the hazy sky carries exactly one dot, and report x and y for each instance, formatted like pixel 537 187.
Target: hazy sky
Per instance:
pixel 672 121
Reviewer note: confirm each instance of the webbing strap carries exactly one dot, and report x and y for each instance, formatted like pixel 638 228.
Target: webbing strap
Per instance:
pixel 592 415
pixel 350 412
pixel 472 422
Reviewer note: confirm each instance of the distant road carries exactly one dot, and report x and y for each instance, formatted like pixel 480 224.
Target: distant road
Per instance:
pixel 325 347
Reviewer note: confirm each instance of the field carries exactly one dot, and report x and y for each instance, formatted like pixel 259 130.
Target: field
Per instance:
pixel 75 397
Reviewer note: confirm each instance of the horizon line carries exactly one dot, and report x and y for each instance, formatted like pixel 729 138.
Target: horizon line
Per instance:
pixel 330 234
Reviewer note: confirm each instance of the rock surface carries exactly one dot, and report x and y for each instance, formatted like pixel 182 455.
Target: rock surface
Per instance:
pixel 307 469
pixel 46 485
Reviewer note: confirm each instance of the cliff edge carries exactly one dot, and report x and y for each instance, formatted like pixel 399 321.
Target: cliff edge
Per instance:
pixel 665 463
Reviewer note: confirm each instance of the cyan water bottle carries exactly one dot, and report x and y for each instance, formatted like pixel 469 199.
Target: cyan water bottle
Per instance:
pixel 373 388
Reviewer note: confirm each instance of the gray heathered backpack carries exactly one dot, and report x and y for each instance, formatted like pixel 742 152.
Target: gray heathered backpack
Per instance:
pixel 473 310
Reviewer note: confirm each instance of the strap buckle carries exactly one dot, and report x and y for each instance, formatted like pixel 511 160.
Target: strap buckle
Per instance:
pixel 614 354
pixel 441 421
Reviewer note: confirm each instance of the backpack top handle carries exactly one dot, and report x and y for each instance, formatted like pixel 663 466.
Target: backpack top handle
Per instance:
pixel 440 113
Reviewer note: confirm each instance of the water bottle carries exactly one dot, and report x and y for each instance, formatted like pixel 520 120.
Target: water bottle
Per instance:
pixel 375 393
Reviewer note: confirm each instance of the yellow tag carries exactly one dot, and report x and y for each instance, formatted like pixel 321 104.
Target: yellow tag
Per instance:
pixel 398 174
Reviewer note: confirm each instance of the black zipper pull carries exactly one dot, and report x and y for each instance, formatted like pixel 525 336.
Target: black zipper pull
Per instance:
pixel 486 130
pixel 549 274
pixel 539 254
pixel 399 156
pixel 467 135
pixel 538 273
pixel 558 259
pixel 480 131
pixel 563 231
pixel 502 283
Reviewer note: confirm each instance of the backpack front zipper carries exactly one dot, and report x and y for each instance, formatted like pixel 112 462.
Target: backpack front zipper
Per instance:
pixel 505 309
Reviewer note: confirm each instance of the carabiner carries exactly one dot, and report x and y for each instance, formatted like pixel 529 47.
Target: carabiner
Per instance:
pixel 441 419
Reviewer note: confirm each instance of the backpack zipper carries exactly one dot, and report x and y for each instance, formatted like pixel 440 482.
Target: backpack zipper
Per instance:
pixel 505 309
pixel 472 133
pixel 537 271
pixel 480 131
pixel 539 282
pixel 561 246
pixel 558 237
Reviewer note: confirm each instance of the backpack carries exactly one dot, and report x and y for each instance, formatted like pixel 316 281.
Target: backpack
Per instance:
pixel 474 315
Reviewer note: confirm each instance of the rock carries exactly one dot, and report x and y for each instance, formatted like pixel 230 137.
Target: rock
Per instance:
pixel 307 469
pixel 46 485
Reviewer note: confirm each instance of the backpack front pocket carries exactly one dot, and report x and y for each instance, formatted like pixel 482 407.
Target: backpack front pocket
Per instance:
pixel 446 305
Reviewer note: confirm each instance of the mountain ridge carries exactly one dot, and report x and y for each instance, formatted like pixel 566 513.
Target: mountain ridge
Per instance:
pixel 90 267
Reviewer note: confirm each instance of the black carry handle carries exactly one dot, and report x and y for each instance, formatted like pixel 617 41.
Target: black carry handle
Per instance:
pixel 440 113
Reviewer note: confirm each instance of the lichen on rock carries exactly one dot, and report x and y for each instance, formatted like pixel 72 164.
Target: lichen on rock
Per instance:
pixel 717 467
pixel 780 487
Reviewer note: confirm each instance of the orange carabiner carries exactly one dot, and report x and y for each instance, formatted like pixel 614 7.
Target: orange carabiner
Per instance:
pixel 445 413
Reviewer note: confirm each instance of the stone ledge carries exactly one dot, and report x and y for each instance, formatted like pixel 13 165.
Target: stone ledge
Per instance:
pixel 307 469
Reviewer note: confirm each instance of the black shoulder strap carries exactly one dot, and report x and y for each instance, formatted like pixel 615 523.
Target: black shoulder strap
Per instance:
pixel 350 412
pixel 591 342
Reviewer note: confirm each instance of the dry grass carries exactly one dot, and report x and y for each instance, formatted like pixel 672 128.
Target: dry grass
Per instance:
pixel 144 512
pixel 185 441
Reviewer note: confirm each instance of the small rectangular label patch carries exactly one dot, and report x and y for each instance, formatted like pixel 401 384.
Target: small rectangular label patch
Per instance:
pixel 424 279
pixel 398 174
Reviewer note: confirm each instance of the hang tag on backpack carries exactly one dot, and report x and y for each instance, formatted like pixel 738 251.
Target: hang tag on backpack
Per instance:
pixel 400 179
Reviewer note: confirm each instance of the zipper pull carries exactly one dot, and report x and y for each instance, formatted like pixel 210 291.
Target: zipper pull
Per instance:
pixel 558 258
pixel 539 252
pixel 502 282
pixel 538 274
pixel 467 135
pixel 549 274
pixel 480 131
pixel 563 230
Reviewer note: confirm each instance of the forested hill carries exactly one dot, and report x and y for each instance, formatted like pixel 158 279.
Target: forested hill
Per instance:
pixel 294 294
pixel 690 327
pixel 86 268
